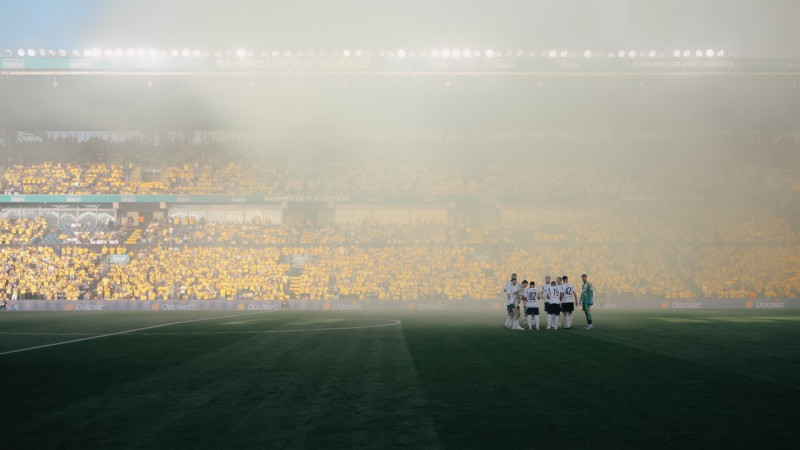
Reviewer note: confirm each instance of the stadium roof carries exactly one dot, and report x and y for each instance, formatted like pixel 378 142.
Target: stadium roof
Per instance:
pixel 382 91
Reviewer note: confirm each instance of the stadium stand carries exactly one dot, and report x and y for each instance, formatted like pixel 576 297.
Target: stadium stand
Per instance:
pixel 630 252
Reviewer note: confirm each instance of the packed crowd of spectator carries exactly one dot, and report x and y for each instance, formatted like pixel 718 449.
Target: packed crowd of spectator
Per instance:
pixel 22 231
pixel 186 258
pixel 177 231
pixel 684 253
pixel 216 169
pixel 43 272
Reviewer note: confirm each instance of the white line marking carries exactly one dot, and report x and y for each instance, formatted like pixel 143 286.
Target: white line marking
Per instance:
pixel 392 323
pixel 23 333
pixel 123 332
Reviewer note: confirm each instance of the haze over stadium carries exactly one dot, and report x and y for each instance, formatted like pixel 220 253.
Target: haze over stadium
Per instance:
pixel 379 169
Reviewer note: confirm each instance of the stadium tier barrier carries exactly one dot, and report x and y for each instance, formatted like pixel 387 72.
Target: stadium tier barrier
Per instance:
pixel 378 305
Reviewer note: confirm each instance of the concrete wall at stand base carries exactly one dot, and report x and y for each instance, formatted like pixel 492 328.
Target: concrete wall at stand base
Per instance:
pixel 377 305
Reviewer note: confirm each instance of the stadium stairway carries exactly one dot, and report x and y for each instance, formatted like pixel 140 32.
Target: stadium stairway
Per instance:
pixel 489 290
pixel 134 237
pixel 296 284
pixel 307 237
pixel 475 237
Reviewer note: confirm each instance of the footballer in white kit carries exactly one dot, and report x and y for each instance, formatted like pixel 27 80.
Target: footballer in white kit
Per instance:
pixel 518 304
pixel 511 290
pixel 554 295
pixel 532 296
pixel 568 302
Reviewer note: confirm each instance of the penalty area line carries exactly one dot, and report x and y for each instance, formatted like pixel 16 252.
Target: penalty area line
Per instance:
pixel 99 336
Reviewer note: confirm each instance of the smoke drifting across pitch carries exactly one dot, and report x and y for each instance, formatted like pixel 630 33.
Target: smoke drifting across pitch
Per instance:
pixel 751 28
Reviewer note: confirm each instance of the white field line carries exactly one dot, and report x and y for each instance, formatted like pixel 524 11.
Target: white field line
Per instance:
pixel 392 322
pixel 99 336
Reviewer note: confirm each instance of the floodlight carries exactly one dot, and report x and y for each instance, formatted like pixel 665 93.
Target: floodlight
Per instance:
pixel 42 53
pixel 21 52
pixel 241 53
pixel 552 53
pixel 9 53
pixel 632 53
pixel 185 53
pixel 587 53
pixel 31 52
pixel 346 53
pixel 76 53
pixel 564 53
pixel 467 53
pixel 108 53
pixel 709 53
pixel 490 53
pixel 51 53
pixel 720 53
pixel 196 53
pixel 174 53
pixel 651 53
pixel 358 53
pixel 698 53
pixel 435 53
pixel 621 53
pixel 676 53
pixel 456 53
pixel 445 53
pixel 401 53
pixel 687 53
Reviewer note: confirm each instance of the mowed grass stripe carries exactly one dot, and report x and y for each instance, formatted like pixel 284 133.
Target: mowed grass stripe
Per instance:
pixel 567 389
pixel 356 388
pixel 129 331
pixel 25 329
pixel 759 347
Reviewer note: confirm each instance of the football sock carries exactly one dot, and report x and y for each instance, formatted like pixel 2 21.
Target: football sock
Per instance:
pixel 536 321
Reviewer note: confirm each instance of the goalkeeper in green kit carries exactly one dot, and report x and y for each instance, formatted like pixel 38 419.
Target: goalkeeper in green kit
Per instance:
pixel 587 300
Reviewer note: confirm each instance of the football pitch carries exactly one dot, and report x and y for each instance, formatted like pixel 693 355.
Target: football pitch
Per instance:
pixel 432 379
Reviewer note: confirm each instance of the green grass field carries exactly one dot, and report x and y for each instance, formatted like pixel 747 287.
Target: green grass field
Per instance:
pixel 658 379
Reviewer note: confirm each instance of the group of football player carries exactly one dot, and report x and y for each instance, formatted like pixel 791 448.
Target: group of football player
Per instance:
pixel 558 295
